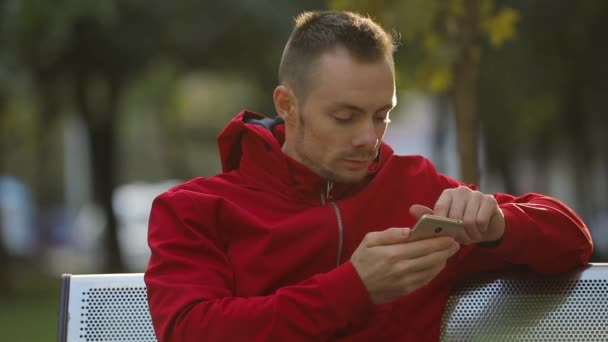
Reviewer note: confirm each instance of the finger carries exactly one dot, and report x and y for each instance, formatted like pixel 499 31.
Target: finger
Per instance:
pixel 459 203
pixel 454 249
pixel 442 206
pixel 470 213
pixel 465 239
pixel 418 210
pixel 427 261
pixel 419 248
pixel 389 236
pixel 470 218
pixel 487 209
pixel 417 280
pixel 473 235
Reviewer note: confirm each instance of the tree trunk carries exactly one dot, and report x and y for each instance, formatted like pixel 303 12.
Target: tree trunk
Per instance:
pixel 576 120
pixel 464 91
pixel 441 125
pixel 5 268
pixel 5 285
pixel 101 123
pixel 45 195
pixel 506 173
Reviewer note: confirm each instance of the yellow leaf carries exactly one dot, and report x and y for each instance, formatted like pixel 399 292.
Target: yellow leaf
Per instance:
pixel 456 8
pixel 440 78
pixel 340 4
pixel 432 41
pixel 501 27
pixel 487 8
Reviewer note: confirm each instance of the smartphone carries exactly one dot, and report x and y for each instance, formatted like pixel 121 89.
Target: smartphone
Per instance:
pixel 430 226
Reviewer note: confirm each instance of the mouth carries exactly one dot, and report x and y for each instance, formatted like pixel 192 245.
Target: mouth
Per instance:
pixel 357 163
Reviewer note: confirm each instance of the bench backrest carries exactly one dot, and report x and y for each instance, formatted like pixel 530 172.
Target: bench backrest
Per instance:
pixel 104 307
pixel 525 306
pixel 514 306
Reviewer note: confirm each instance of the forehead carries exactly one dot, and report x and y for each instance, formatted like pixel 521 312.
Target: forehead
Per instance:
pixel 339 76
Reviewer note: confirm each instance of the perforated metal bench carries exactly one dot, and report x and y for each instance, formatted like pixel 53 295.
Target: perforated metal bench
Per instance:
pixel 104 308
pixel 519 306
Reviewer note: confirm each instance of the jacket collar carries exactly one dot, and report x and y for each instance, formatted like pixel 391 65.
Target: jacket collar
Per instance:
pixel 252 144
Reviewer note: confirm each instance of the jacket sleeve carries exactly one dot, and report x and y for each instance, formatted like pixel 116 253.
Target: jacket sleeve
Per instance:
pixel 541 232
pixel 191 293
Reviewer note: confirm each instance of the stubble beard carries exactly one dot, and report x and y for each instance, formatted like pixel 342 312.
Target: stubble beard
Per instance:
pixel 319 169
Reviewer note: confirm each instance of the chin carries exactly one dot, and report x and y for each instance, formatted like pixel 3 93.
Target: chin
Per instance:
pixel 344 176
pixel 349 178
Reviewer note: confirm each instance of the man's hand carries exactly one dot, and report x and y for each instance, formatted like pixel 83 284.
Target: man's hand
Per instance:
pixel 390 268
pixel 483 219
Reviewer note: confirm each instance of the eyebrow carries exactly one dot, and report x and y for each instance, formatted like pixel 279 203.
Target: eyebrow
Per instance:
pixel 360 110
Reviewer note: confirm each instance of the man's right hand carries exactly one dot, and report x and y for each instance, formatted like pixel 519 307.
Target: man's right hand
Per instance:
pixel 390 267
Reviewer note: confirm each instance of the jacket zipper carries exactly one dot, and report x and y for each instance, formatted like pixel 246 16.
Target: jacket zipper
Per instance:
pixel 340 232
pixel 324 200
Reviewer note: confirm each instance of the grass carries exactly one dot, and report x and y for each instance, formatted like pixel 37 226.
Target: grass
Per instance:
pixel 31 311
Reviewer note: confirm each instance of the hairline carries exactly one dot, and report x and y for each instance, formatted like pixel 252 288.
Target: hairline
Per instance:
pixel 310 71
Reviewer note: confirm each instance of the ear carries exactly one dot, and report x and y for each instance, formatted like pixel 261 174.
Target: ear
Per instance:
pixel 284 102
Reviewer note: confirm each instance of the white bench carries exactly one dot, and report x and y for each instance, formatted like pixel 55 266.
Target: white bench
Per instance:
pixel 104 307
pixel 522 306
pixel 515 306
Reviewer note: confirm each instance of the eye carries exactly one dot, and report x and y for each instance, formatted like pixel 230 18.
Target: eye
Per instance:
pixel 343 119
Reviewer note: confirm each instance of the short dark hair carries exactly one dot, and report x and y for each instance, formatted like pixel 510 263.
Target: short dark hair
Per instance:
pixel 316 32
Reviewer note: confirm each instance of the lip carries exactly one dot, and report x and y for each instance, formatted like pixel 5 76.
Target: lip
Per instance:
pixel 357 164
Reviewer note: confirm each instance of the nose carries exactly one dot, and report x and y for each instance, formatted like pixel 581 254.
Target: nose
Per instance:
pixel 366 137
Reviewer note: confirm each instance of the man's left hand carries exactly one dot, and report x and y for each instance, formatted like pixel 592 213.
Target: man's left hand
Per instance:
pixel 483 219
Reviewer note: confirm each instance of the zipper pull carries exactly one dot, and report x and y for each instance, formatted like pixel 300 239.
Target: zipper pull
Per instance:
pixel 330 186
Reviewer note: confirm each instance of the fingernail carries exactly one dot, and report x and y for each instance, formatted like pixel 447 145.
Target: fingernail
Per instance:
pixel 405 231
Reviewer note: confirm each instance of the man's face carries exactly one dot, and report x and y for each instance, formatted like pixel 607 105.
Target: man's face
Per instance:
pixel 337 130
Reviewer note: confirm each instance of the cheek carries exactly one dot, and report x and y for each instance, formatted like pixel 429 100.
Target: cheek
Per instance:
pixel 332 144
pixel 327 147
pixel 380 131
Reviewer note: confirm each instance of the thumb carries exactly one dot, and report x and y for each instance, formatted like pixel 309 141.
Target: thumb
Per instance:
pixel 389 236
pixel 418 210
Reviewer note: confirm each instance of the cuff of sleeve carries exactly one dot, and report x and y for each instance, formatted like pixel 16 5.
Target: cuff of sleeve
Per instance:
pixel 345 290
pixel 515 230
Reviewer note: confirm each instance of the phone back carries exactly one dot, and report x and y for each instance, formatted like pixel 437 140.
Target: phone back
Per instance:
pixel 430 226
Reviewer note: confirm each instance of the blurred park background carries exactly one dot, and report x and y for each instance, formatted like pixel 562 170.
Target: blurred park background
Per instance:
pixel 105 104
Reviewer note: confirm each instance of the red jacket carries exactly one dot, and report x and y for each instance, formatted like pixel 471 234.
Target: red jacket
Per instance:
pixel 260 253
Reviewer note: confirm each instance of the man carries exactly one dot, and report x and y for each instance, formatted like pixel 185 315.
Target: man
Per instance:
pixel 304 236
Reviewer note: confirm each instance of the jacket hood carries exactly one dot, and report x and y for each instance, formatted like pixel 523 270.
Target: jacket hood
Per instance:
pixel 252 144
